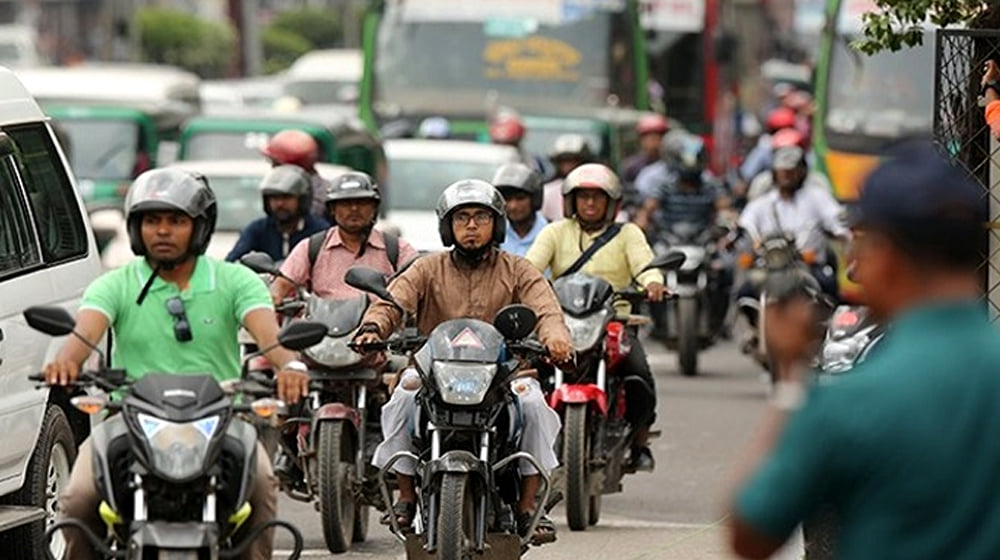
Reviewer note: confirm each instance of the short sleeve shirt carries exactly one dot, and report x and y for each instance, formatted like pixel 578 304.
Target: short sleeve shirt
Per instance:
pixel 905 447
pixel 219 296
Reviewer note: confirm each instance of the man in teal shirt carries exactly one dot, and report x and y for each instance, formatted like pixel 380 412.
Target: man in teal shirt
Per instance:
pixel 173 311
pixel 905 448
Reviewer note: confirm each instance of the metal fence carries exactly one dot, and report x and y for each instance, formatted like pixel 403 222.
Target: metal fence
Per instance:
pixel 961 132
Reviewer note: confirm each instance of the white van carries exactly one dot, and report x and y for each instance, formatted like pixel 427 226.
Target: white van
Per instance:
pixel 47 257
pixel 325 77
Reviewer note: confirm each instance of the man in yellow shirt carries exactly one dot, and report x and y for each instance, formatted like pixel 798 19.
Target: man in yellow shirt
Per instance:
pixel 592 195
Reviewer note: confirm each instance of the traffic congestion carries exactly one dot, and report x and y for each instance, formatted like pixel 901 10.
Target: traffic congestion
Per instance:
pixel 439 279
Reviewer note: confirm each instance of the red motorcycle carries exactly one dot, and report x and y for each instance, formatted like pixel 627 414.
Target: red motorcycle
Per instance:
pixel 591 398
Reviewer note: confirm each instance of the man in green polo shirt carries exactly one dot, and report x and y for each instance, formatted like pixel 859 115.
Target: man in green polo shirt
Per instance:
pixel 173 311
pixel 905 448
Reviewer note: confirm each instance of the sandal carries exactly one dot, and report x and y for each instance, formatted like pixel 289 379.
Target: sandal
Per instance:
pixel 545 530
pixel 404 512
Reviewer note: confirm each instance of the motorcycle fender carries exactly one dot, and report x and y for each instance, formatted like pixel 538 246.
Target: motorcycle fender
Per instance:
pixel 571 394
pixel 338 411
pixel 246 435
pixel 159 535
pixel 456 461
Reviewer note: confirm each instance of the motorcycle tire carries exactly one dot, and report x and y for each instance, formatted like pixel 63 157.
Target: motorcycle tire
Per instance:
pixel 576 461
pixel 47 477
pixel 455 516
pixel 595 510
pixel 338 505
pixel 687 336
pixel 361 523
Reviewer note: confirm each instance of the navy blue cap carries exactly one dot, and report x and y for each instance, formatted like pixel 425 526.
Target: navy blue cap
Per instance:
pixel 915 192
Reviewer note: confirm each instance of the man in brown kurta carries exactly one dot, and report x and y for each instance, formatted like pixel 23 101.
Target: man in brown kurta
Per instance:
pixel 473 280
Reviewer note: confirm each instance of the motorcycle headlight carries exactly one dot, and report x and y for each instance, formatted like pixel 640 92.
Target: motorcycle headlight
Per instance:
pixel 178 450
pixel 463 383
pixel 586 331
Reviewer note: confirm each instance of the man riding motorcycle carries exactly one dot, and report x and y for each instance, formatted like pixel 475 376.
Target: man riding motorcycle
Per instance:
pixel 592 195
pixel 473 280
pixel 286 193
pixel 170 217
pixel 521 188
pixel 299 148
pixel 806 213
pixel 352 201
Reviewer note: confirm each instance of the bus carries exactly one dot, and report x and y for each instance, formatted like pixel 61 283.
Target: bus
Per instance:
pixel 465 60
pixel 865 103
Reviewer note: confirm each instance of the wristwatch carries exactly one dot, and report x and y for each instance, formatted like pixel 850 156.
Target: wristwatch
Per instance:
pixel 296 365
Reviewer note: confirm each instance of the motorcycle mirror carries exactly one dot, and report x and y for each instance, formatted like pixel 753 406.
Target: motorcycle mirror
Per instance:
pixel 259 262
pixel 515 321
pixel 50 320
pixel 368 280
pixel 301 335
pixel 671 260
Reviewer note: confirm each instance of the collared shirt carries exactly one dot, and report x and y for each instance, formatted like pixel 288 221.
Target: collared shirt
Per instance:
pixel 807 215
pixel 677 205
pixel 326 278
pixel 905 448
pixel 218 297
pixel 635 164
pixel 264 235
pixel 437 289
pixel 763 183
pixel 560 244
pixel 518 245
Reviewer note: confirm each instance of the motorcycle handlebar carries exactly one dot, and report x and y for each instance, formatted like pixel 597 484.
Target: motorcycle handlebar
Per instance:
pixel 93 379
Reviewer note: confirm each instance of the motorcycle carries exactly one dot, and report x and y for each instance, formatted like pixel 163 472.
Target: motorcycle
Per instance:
pixel 693 320
pixel 174 464
pixel 466 433
pixel 336 430
pixel 596 436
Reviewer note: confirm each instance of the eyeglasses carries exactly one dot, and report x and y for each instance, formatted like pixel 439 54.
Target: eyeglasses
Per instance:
pixel 182 327
pixel 481 218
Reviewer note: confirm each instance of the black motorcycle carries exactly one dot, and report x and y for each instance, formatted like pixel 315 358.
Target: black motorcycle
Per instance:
pixel 174 464
pixel 467 433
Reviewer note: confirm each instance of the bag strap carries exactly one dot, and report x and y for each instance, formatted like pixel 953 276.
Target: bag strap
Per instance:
pixel 392 250
pixel 391 247
pixel 315 244
pixel 601 241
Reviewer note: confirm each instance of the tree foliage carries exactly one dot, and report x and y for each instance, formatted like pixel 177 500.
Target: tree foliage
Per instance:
pixel 281 48
pixel 319 26
pixel 171 37
pixel 900 23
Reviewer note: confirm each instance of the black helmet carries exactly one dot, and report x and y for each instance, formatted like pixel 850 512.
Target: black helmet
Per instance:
pixel 471 192
pixel 520 177
pixel 169 189
pixel 352 185
pixel 287 179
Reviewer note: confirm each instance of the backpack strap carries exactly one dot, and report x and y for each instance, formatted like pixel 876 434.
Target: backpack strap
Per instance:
pixel 392 249
pixel 601 241
pixel 315 244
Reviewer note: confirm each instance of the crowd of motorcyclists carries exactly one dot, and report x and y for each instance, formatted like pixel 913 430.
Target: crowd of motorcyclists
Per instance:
pixel 507 239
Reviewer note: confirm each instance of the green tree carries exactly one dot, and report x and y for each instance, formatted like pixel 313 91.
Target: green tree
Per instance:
pixel 899 23
pixel 281 48
pixel 177 38
pixel 318 26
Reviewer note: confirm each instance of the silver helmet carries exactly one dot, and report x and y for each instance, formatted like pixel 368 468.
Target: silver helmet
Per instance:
pixel 171 190
pixel 471 192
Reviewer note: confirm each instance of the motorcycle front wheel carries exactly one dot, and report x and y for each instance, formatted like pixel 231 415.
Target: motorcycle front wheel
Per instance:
pixel 576 461
pixel 337 503
pixel 455 517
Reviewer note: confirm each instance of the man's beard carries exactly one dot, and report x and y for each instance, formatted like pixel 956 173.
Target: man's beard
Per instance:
pixel 285 217
pixel 472 256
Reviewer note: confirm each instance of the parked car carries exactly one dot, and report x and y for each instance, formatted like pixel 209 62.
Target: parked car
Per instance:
pixel 47 257
pixel 236 186
pixel 420 169
pixel 325 77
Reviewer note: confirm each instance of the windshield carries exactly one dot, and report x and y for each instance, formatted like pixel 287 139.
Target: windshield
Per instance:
pixel 882 96
pixel 226 145
pixel 533 55
pixel 417 183
pixel 238 199
pixel 102 149
pixel 462 340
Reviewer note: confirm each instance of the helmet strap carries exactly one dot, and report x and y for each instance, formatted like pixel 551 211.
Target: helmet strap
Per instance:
pixel 148 284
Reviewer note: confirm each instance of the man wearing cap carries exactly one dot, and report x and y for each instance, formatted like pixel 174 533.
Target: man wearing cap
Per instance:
pixel 906 448
pixel 809 215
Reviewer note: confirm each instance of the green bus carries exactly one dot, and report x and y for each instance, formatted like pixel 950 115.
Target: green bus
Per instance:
pixel 464 59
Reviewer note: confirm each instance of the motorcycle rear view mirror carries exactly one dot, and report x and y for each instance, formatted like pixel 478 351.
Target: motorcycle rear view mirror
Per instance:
pixel 671 260
pixel 515 321
pixel 300 335
pixel 368 280
pixel 259 262
pixel 50 320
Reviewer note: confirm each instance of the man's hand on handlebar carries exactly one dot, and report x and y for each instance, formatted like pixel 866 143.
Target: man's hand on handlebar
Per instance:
pixel 560 351
pixel 375 359
pixel 656 291
pixel 62 372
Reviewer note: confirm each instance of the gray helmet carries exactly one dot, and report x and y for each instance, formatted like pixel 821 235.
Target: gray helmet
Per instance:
pixel 571 146
pixel 471 192
pixel 287 179
pixel 520 177
pixel 171 190
pixel 591 176
pixel 674 146
pixel 352 185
